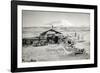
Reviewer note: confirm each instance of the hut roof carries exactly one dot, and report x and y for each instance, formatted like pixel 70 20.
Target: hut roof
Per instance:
pixel 43 33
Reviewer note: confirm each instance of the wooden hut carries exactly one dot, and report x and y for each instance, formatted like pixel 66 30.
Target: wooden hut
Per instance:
pixel 51 36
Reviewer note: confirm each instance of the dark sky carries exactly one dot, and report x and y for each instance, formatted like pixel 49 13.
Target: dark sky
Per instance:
pixel 43 18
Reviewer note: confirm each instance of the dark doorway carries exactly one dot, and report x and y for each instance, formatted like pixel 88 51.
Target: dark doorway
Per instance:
pixel 56 39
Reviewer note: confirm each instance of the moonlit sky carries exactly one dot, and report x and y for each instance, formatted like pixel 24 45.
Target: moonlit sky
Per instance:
pixel 46 18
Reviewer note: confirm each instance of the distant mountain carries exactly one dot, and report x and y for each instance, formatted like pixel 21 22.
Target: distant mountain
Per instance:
pixel 62 23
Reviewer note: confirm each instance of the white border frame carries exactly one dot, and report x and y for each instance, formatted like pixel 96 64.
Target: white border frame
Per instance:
pixel 53 63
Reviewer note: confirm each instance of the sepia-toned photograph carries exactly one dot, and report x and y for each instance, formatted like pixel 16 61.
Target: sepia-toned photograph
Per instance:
pixel 55 36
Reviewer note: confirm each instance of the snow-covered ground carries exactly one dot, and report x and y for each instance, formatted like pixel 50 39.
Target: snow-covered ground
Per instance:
pixel 55 52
